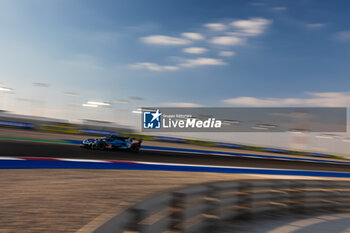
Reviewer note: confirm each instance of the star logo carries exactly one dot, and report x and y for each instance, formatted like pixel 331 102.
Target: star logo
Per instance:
pixel 156 115
pixel 152 119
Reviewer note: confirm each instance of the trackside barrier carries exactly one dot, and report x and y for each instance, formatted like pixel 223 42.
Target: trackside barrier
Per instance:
pixel 95 131
pixel 229 145
pixel 22 125
pixel 201 208
pixel 58 128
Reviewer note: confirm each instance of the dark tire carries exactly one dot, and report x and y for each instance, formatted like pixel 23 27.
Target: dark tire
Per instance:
pixel 101 146
pixel 134 148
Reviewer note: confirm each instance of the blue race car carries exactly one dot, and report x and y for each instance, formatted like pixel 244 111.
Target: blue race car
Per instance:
pixel 112 142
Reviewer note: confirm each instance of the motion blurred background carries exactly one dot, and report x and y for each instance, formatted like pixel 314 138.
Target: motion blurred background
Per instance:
pixel 67 63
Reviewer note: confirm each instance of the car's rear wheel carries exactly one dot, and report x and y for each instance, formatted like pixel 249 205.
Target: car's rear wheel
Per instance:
pixel 134 148
pixel 101 146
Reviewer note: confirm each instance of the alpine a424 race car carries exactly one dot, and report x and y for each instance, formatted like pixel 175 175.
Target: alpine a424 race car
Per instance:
pixel 112 142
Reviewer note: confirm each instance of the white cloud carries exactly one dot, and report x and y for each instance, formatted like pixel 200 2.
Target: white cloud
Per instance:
pixel 195 50
pixel 257 4
pixel 252 101
pixel 238 34
pixel 181 104
pixel 235 34
pixel 228 40
pixel 121 101
pixel 193 35
pixel 251 27
pixel 321 99
pixel 342 36
pixel 226 53
pixel 327 94
pixel 216 26
pixel 203 61
pixel 165 40
pixel 279 8
pixel 152 66
pixel 315 25
pixel 170 67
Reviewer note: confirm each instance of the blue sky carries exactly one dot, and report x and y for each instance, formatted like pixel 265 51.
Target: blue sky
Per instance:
pixel 172 53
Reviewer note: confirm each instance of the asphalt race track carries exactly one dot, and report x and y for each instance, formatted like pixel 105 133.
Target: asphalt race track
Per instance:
pixel 30 149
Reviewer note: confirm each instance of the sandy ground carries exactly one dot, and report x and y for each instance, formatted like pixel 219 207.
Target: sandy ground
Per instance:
pixel 66 201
